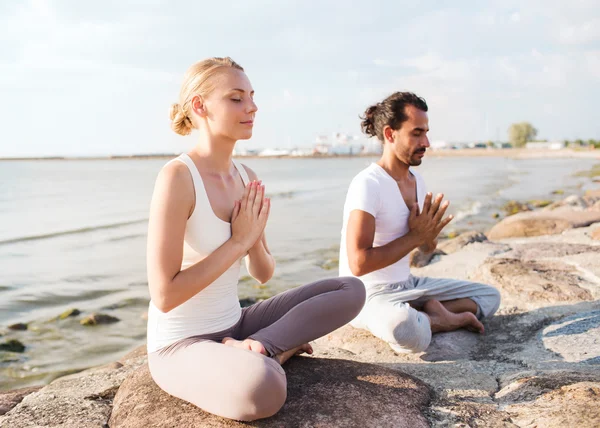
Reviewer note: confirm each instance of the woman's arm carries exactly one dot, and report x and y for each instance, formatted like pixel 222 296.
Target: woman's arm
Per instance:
pixel 259 262
pixel 172 204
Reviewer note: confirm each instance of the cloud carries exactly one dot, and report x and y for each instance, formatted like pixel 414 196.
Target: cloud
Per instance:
pixel 580 34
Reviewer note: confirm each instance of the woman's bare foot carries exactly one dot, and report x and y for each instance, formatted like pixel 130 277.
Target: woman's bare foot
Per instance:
pixel 248 344
pixel 444 320
pixel 284 356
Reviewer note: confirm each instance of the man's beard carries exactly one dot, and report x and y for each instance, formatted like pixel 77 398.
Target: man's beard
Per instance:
pixel 416 161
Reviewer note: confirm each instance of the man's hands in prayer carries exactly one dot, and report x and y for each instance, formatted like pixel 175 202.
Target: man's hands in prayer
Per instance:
pixel 427 225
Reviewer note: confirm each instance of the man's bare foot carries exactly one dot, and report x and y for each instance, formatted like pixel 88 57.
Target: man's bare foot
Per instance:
pixel 444 320
pixel 248 344
pixel 284 356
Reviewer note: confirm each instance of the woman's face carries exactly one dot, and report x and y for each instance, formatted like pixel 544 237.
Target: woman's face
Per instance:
pixel 230 107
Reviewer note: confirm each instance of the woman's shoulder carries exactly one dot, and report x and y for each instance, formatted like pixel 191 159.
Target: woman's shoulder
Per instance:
pixel 174 171
pixel 175 178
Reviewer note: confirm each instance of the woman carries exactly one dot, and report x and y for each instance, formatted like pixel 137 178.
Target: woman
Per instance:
pixel 207 213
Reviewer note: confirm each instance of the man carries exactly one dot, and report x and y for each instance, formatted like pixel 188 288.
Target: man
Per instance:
pixel 388 214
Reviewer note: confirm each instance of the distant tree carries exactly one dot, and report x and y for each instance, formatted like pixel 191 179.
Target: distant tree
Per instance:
pixel 520 133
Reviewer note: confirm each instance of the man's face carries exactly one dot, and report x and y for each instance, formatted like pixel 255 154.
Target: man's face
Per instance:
pixel 410 141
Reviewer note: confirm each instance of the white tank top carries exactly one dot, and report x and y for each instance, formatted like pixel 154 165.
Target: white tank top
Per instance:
pixel 216 307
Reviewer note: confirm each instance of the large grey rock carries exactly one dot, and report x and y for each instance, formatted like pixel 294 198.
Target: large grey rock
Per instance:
pixel 550 250
pixel 321 392
pixel 575 405
pixel 82 399
pixel 419 258
pixel 464 263
pixel 528 284
pixel 528 386
pixel 453 245
pixel 9 399
pixel 575 338
pixel 538 223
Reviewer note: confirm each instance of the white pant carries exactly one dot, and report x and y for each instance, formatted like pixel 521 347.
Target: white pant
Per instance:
pixel 389 317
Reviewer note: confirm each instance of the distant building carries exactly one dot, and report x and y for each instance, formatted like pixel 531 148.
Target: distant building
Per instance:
pixel 372 146
pixel 337 144
pixel 544 145
pixel 245 152
pixel 274 152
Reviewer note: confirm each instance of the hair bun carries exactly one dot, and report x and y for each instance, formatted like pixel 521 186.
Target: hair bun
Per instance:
pixel 180 122
pixel 368 121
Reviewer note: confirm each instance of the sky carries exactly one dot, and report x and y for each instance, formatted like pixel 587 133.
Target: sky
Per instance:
pixel 97 78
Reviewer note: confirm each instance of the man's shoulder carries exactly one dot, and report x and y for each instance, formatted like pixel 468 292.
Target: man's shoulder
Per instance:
pixel 369 174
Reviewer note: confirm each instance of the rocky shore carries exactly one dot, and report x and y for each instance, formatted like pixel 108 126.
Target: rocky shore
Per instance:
pixel 538 365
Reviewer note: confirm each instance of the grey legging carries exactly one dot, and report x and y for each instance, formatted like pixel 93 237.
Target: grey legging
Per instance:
pixel 245 385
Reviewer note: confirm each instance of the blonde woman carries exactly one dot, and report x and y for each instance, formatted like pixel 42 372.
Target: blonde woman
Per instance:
pixel 207 213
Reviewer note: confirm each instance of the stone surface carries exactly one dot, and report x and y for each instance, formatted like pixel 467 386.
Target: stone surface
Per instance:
pixel 99 319
pixel 453 245
pixel 527 284
pixel 12 345
pixel 528 386
pixel 9 399
pixel 575 338
pixel 538 223
pixel 528 224
pixel 419 258
pixel 82 399
pixel 574 405
pixel 321 392
pixel 554 250
pixel 18 326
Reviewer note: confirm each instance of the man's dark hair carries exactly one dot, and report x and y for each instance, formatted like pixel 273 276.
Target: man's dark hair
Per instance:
pixel 390 112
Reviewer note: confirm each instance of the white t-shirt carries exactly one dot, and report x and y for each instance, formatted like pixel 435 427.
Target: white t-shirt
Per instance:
pixel 374 191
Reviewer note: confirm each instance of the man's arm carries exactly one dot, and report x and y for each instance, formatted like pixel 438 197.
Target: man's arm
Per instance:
pixel 363 258
pixel 424 228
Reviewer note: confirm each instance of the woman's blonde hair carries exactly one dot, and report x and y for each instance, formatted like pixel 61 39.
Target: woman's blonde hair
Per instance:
pixel 197 81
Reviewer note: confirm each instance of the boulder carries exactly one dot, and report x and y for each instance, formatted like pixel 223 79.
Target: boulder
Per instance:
pixel 419 258
pixel 542 223
pixel 78 400
pixel 528 284
pixel 321 392
pixel 453 245
pixel 98 319
pixel 12 345
pixel 575 338
pixel 550 250
pixel 573 405
pixel 18 326
pixel 9 399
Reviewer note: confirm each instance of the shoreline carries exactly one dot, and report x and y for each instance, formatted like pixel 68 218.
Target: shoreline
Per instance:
pixel 507 153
